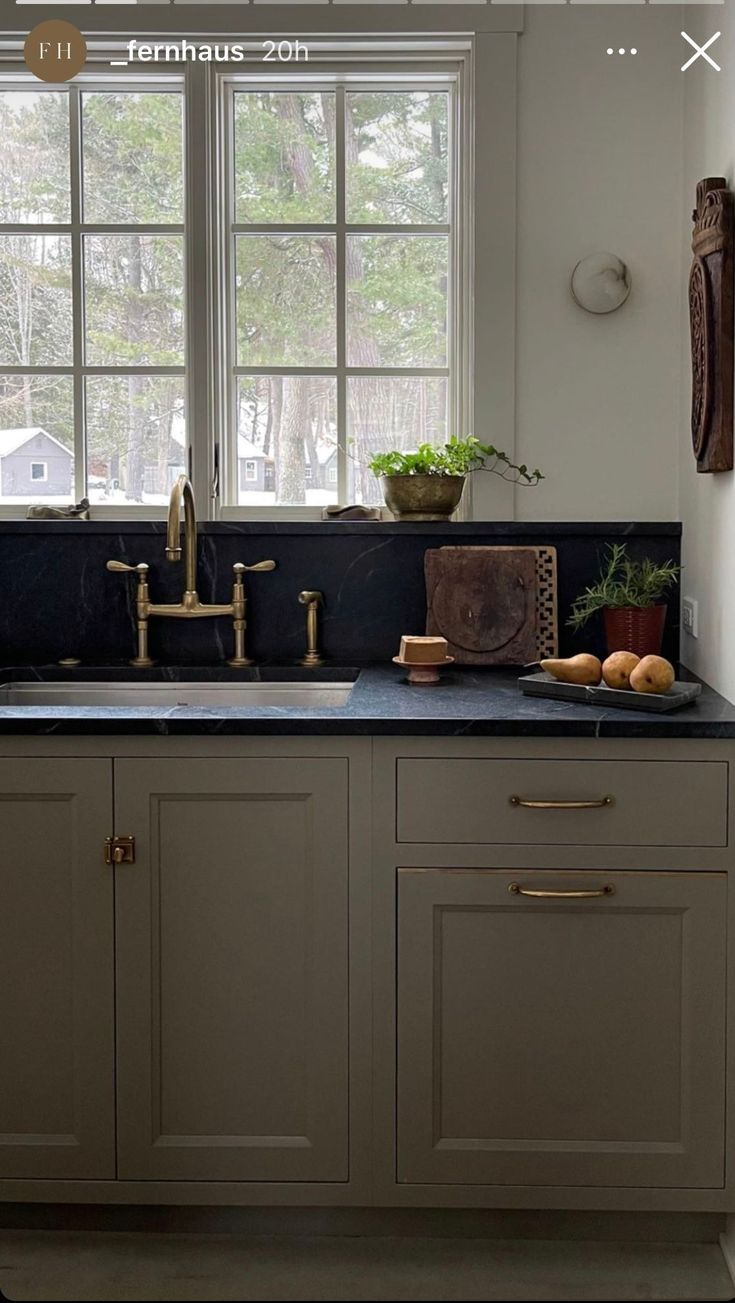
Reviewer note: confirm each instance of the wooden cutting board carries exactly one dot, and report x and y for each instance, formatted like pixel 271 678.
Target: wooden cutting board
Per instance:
pixel 484 601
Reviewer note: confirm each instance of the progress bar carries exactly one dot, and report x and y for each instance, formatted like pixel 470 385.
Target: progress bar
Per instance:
pixel 74 4
pixel 415 4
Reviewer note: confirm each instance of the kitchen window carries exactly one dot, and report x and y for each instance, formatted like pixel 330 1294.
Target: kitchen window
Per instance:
pixel 338 281
pixel 92 287
pixel 261 282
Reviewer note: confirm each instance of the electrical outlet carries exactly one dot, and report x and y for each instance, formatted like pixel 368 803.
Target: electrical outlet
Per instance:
pixel 690 616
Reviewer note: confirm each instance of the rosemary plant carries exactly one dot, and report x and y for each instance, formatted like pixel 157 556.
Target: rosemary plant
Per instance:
pixel 624 582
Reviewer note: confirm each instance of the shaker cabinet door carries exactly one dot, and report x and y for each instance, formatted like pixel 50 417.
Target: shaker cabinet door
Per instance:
pixel 57 1093
pixel 232 970
pixel 559 1039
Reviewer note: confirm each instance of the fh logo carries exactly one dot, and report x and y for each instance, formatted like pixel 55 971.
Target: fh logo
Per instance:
pixel 55 51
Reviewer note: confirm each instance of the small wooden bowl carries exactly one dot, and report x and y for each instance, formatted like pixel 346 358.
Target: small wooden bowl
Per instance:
pixel 422 673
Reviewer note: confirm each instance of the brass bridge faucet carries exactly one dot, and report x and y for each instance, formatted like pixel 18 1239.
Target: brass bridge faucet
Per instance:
pixel 190 607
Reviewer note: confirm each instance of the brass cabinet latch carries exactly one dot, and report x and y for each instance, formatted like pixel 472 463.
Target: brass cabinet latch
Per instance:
pixel 119 850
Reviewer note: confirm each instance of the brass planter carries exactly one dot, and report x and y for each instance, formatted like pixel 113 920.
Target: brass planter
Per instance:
pixel 422 497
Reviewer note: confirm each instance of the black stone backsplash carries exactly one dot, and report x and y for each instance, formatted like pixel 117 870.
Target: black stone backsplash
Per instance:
pixel 57 599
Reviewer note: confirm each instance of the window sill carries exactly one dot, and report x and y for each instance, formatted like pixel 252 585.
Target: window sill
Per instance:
pixel 430 529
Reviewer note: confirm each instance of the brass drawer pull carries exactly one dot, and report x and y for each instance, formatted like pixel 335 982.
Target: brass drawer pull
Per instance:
pixel 562 805
pixel 516 889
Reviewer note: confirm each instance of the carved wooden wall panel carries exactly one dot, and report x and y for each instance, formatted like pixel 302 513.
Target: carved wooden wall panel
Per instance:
pixel 711 325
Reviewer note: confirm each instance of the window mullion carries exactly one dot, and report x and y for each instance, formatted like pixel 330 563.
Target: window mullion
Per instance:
pixel 136 228
pixel 340 170
pixel 199 322
pixel 229 493
pixel 77 265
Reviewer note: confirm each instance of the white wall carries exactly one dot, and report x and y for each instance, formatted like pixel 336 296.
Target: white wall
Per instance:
pixel 599 168
pixel 708 501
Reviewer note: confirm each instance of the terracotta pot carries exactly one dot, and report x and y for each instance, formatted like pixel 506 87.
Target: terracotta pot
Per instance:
pixel 422 497
pixel 638 629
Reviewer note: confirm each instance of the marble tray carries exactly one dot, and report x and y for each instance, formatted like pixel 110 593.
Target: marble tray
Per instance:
pixel 543 685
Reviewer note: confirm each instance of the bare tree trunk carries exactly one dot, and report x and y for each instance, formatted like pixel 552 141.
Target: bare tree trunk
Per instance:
pixel 27 401
pixel 275 412
pixel 329 109
pixel 289 450
pixel 268 419
pixel 135 460
pixel 312 454
pixel 164 436
pixel 256 414
pixel 436 152
pixel 298 160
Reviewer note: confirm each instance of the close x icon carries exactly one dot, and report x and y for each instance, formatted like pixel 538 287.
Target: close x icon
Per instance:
pixel 700 51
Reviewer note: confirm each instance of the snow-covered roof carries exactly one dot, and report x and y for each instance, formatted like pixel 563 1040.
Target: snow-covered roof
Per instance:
pixel 251 452
pixel 247 449
pixel 244 447
pixel 324 451
pixel 12 440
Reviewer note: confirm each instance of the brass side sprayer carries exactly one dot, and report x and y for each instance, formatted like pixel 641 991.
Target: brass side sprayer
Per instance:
pixel 312 600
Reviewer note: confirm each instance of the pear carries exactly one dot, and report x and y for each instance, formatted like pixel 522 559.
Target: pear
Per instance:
pixel 652 674
pixel 618 667
pixel 583 669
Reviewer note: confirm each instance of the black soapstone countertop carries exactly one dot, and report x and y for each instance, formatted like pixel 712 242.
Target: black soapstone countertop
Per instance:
pixel 466 703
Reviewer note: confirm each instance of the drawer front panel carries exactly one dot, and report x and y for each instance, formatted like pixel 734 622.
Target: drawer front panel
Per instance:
pixel 562 802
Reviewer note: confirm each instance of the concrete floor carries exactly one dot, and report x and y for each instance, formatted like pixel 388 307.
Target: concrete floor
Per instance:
pixel 49 1265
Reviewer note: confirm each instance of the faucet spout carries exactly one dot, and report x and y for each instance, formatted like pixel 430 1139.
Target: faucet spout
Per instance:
pixel 182 492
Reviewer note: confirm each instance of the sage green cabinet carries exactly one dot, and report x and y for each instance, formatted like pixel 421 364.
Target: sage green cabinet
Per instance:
pixel 559 1039
pixel 532 802
pixel 57 1089
pixel 232 980
pixel 280 1001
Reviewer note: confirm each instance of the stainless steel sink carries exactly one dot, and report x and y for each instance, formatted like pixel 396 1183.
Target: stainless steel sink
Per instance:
pixel 211 695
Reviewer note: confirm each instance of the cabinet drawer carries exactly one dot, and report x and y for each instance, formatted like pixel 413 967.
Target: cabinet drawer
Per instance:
pixel 561 1029
pixel 562 802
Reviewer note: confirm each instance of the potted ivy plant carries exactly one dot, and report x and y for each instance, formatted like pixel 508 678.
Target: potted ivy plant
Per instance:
pixel 629 593
pixel 427 484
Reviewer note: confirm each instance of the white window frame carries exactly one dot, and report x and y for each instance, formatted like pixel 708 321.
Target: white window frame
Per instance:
pixel 39 479
pixel 438 65
pixel 76 229
pixel 368 64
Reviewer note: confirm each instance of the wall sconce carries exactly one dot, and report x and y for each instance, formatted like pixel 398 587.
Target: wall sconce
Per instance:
pixel 600 283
